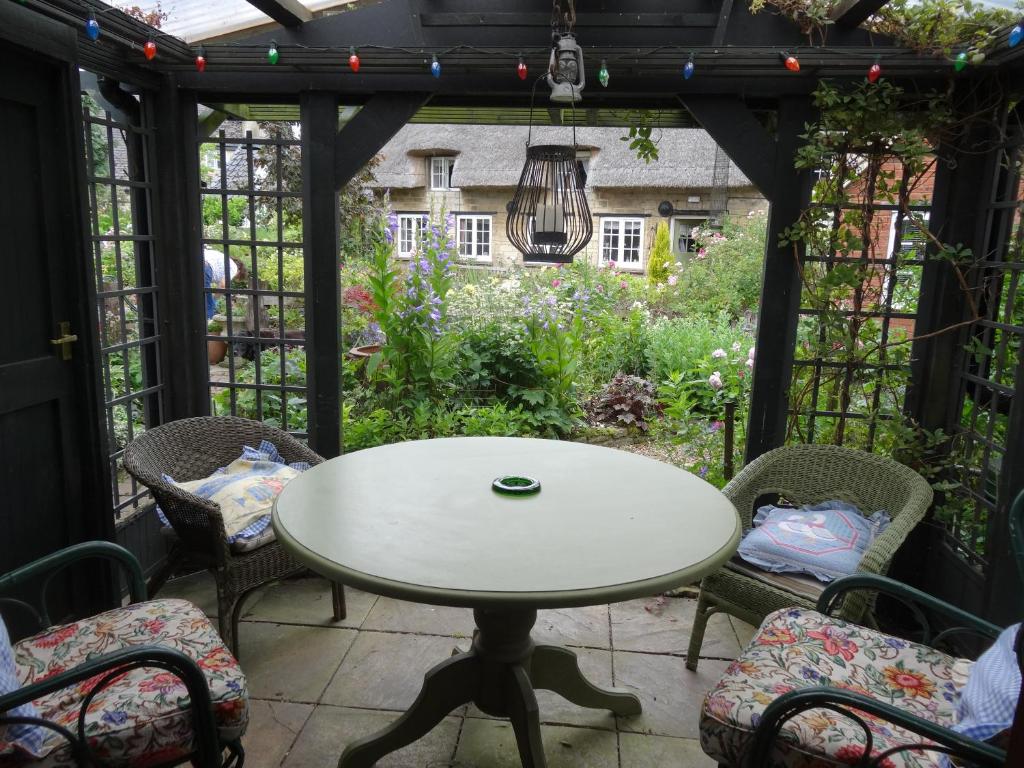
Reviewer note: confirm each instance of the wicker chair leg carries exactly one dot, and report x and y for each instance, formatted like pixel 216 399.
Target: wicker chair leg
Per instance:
pixel 700 623
pixel 227 601
pixel 338 598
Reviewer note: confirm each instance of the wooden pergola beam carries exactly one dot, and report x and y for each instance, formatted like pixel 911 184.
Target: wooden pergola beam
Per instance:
pixel 374 125
pixel 853 13
pixel 288 13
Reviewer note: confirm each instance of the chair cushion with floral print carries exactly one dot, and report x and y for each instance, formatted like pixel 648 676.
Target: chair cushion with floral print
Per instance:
pixel 801 648
pixel 142 717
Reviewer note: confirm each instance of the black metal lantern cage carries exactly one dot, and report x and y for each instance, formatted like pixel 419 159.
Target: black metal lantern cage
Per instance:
pixel 548 218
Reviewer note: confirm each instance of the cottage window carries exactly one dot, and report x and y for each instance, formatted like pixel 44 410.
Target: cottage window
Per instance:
pixel 409 227
pixel 441 173
pixel 474 237
pixel 683 241
pixel 622 240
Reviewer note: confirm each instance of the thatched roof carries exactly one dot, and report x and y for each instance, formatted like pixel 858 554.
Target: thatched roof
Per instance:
pixel 493 156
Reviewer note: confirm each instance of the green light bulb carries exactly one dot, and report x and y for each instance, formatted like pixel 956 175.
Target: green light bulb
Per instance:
pixel 272 54
pixel 602 74
pixel 960 61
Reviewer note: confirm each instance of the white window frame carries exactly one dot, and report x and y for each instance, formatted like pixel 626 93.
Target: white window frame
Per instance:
pixel 417 221
pixel 902 275
pixel 693 221
pixel 619 249
pixel 476 250
pixel 440 168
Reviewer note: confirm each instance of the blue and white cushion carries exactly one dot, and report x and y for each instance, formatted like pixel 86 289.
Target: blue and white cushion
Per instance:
pixel 28 738
pixel 989 699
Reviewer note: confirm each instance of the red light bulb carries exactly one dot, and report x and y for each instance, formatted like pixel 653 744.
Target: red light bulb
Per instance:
pixel 201 59
pixel 792 63
pixel 874 72
pixel 149 50
pixel 353 60
pixel 521 69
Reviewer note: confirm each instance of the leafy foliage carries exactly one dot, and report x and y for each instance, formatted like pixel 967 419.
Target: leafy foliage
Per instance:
pixel 659 261
pixel 626 401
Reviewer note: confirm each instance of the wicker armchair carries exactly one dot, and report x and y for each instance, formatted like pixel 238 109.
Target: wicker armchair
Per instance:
pixel 191 449
pixel 807 474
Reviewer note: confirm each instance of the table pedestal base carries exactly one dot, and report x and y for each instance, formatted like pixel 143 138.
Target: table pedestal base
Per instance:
pixel 499 674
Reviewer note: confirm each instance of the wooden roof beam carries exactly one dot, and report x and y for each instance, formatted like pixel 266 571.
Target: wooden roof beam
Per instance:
pixel 853 13
pixel 287 13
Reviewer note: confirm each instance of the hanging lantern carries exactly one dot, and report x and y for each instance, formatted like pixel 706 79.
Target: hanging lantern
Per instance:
pixel 688 68
pixel 149 50
pixel 201 59
pixel 353 59
pixel 521 69
pixel 92 27
pixel 566 77
pixel 548 218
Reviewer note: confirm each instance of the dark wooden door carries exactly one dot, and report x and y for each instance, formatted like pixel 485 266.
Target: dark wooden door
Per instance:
pixel 51 449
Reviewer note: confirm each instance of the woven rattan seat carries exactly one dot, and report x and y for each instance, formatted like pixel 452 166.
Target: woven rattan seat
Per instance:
pixel 808 474
pixel 194 448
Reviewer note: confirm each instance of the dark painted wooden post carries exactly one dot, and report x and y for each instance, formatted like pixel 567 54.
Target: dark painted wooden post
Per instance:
pixel 780 291
pixel 319 112
pixel 178 227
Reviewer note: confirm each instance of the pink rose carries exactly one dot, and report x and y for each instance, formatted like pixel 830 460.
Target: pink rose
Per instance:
pixel 715 380
pixel 623 285
pixel 555 283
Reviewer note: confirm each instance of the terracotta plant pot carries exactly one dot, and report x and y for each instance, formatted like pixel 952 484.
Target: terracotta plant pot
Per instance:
pixel 216 351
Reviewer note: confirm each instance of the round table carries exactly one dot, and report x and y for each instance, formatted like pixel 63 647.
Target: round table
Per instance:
pixel 420 521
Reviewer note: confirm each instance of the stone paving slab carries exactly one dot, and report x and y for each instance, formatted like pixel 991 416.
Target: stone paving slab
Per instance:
pixel 273 728
pixel 671 694
pixel 307 600
pixel 663 625
pixel 644 751
pixel 587 626
pixel 289 661
pixel 402 616
pixel 330 729
pixel 492 744
pixel 384 670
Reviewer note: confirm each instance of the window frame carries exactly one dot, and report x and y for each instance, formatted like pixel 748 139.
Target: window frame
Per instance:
pixel 419 220
pixel 448 164
pixel 694 221
pixel 627 266
pixel 474 244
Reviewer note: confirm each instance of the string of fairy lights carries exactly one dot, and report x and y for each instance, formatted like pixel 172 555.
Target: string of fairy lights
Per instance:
pixel 788 59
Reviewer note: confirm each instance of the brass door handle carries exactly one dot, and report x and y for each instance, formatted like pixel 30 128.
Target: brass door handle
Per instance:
pixel 65 340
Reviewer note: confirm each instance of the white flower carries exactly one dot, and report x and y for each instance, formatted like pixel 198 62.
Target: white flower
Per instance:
pixel 715 380
pixel 719 354
pixel 673 279
pixel 750 354
pixel 750 364
pixel 735 346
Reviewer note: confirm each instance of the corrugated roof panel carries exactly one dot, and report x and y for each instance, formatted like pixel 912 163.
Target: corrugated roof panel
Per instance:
pixel 195 20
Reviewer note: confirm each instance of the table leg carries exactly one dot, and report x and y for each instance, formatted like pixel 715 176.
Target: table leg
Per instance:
pixel 557 669
pixel 450 684
pixel 524 714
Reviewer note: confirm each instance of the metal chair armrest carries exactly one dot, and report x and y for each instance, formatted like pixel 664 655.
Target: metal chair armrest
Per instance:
pixel 842 701
pixel 177 663
pixel 52 564
pixel 913 598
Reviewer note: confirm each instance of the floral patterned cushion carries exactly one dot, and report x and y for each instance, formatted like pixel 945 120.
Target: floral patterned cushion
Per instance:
pixel 800 648
pixel 142 717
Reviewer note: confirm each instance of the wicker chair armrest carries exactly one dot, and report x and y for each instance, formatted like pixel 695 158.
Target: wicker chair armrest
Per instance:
pixel 744 489
pixel 294 450
pixel 913 598
pixel 207 751
pixel 55 562
pixel 843 701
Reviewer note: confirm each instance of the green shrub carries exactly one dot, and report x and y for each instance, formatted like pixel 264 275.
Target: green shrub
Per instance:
pixel 681 344
pixel 659 262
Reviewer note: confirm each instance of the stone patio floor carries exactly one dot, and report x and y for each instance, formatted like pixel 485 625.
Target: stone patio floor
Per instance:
pixel 316 685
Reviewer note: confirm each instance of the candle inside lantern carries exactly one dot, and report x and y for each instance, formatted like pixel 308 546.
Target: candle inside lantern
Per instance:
pixel 549 225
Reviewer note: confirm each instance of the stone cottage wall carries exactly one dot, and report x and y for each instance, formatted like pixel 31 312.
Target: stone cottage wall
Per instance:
pixel 604 201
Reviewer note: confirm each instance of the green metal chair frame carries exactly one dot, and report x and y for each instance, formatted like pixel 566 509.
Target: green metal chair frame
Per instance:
pixel 808 474
pixel 843 701
pixel 190 449
pixel 208 750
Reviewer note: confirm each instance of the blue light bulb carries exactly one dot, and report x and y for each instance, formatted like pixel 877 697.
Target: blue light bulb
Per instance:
pixel 1016 34
pixel 688 70
pixel 435 67
pixel 92 28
